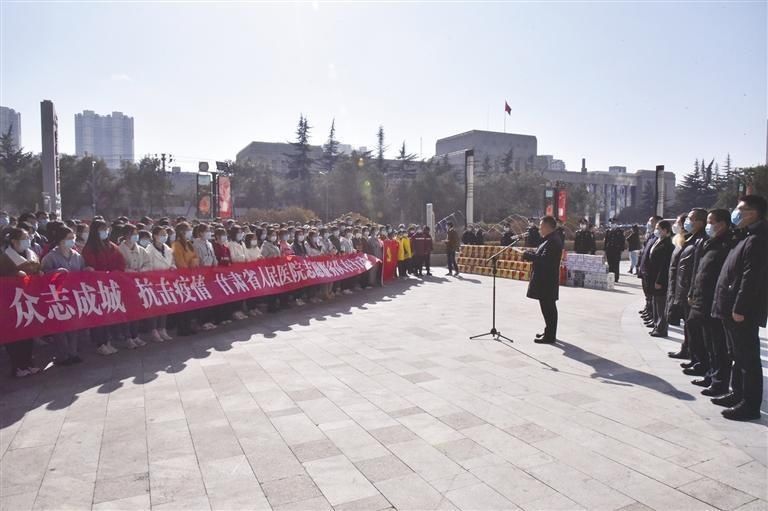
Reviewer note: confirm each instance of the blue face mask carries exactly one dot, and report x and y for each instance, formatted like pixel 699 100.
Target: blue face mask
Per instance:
pixel 736 217
pixel 69 243
pixel 24 245
pixel 135 238
pixel 688 225
pixel 710 230
pixel 657 233
pixel 103 235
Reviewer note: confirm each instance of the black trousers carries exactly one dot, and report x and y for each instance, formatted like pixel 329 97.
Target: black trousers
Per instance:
pixel 20 354
pixel 660 313
pixel 647 287
pixel 549 311
pixel 717 352
pixel 743 340
pixel 694 330
pixel 614 259
pixel 452 266
pixel 427 262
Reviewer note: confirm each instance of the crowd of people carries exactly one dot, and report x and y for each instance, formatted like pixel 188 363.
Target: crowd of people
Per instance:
pixel 708 270
pixel 39 243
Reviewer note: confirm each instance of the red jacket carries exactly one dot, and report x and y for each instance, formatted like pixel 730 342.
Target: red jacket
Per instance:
pixel 421 244
pixel 108 258
pixel 223 256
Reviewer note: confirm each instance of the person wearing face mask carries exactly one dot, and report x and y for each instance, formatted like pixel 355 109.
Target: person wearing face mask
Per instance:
pixel 658 275
pixel 145 239
pixel 681 272
pixel 403 254
pixel 285 243
pixel 298 243
pixel 709 257
pixel 741 303
pixel 532 235
pixel 184 255
pixel 507 236
pixel 335 238
pixel 18 260
pixel 202 245
pixel 614 246
pixel 270 247
pixel 42 225
pixel 674 311
pixel 419 249
pixel 160 257
pixel 136 260
pixel 646 313
pixel 103 255
pixel 633 246
pixel 544 285
pixel 236 245
pixel 252 250
pixel 583 241
pixel 81 236
pixel 63 258
pixel 469 238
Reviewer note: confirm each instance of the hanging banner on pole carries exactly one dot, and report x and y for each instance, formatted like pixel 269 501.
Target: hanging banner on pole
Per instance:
pixel 660 191
pixel 562 194
pixel 223 185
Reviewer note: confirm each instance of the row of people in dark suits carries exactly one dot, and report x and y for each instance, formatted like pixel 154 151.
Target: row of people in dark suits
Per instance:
pixel 710 270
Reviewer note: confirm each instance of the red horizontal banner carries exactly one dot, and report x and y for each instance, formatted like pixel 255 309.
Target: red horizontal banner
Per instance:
pixel 40 305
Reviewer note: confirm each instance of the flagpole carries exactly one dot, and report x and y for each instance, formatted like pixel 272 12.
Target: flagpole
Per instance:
pixel 505 121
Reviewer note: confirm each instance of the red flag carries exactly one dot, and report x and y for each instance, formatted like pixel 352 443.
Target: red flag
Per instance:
pixel 507 108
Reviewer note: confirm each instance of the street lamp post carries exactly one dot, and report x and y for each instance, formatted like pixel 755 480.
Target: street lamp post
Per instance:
pixel 325 176
pixel 93 188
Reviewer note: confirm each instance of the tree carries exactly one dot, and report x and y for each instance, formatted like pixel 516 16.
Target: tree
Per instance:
pixel 12 160
pixel 381 164
pixel 405 158
pixel 299 161
pixel 508 161
pixel 331 149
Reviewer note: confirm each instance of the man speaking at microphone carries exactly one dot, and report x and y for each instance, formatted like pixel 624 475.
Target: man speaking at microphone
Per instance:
pixel 545 278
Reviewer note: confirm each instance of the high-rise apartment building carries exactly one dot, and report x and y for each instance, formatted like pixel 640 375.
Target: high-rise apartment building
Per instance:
pixel 10 118
pixel 109 137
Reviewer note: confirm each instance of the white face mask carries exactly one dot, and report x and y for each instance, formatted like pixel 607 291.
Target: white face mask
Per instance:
pixel 144 242
pixel 273 239
pixel 162 239
pixel 240 236
pixel 301 237
pixel 207 236
pixel 222 239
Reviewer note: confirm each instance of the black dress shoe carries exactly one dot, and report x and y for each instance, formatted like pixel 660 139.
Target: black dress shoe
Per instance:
pixel 694 371
pixel 741 412
pixel 703 382
pixel 727 400
pixel 714 391
pixel 678 354
pixel 686 365
pixel 539 336
pixel 658 334
pixel 544 340
pixel 649 324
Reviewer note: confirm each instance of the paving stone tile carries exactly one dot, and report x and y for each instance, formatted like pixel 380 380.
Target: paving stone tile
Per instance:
pixel 198 503
pixel 461 420
pixel 136 503
pixel 315 504
pixel 380 469
pixel 294 410
pixel 454 482
pixel 375 503
pixel 716 493
pixel 479 496
pixel 316 450
pixel 23 469
pixel 297 429
pixel 392 434
pixel 123 487
pixel 356 443
pixel 530 432
pixel 462 449
pixel 290 489
pixel 405 411
pixel 175 479
pixel 18 501
pixel 339 480
pixel 308 394
pixel 579 487
pixel 429 428
pixel 411 492
pixel 425 460
pixel 420 377
pixel 65 491
pixel 271 459
pixel 517 486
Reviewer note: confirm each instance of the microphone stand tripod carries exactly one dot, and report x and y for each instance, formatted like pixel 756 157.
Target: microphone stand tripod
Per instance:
pixel 494 332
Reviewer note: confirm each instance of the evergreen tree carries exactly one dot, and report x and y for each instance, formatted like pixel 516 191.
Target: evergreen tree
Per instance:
pixel 381 165
pixel 331 150
pixel 12 160
pixel 300 162
pixel 405 158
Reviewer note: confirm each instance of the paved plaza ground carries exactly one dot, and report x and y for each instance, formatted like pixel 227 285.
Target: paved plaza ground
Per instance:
pixel 379 400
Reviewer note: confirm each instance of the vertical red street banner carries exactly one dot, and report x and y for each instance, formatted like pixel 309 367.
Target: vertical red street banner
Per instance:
pixel 562 204
pixel 225 196
pixel 389 261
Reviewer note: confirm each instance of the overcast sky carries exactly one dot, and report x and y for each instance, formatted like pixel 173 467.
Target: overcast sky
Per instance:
pixel 620 83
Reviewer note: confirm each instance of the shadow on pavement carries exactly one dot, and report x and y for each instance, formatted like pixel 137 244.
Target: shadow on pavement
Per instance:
pixel 616 374
pixel 59 387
